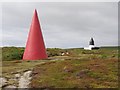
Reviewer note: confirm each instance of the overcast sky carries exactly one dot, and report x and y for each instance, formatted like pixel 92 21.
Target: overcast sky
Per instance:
pixel 64 25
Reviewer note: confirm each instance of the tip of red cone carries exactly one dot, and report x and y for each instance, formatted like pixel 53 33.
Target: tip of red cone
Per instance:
pixel 35 10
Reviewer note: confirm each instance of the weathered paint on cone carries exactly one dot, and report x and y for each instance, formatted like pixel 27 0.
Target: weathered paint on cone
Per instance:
pixel 35 48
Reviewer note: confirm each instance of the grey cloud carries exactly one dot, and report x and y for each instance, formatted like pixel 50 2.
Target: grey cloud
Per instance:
pixel 63 25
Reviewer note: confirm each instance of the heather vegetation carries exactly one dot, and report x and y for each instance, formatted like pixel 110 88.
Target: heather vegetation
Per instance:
pixel 76 68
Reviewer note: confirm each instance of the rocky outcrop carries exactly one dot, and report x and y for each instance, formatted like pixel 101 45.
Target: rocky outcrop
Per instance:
pixel 20 80
pixel 3 82
pixel 24 80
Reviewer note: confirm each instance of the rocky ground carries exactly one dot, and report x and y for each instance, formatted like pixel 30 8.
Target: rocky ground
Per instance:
pixel 20 80
pixel 18 73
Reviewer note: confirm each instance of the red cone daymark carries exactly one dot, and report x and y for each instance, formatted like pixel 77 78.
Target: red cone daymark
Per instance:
pixel 35 48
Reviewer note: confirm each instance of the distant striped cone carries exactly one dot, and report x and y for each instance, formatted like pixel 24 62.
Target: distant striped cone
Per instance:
pixel 35 48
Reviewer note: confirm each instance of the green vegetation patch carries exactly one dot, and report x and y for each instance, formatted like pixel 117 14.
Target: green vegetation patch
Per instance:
pixel 76 74
pixel 12 53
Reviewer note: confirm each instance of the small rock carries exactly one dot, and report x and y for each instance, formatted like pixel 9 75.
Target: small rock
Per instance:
pixel 27 74
pixel 23 83
pixel 24 80
pixel 63 54
pixel 67 53
pixel 17 76
pixel 3 82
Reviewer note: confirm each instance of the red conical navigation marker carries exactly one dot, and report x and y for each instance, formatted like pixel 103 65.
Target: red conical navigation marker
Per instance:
pixel 35 48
